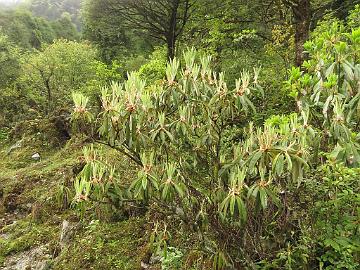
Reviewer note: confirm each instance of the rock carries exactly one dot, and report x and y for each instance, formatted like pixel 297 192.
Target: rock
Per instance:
pixel 4 236
pixel 36 157
pixel 35 259
pixel 15 146
pixel 67 232
pixel 155 259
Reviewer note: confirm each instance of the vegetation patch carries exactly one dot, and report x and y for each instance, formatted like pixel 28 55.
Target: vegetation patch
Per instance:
pixel 106 246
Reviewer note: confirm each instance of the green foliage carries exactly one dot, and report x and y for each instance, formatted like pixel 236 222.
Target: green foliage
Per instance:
pixel 238 38
pixel 81 116
pixel 177 133
pixel 64 28
pixel 329 229
pixel 228 173
pixel 173 259
pixel 4 133
pixel 337 215
pixel 354 18
pixel 55 9
pixel 174 133
pixel 28 31
pixel 25 30
pixel 10 70
pixel 153 71
pixel 222 29
pixel 63 196
pixel 101 184
pixel 328 87
pixel 115 39
pixel 61 68
pixel 9 61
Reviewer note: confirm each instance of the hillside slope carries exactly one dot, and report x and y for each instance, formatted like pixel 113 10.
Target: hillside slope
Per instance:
pixel 38 228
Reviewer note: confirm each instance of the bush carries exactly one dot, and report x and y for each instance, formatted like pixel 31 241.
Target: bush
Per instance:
pixel 246 196
pixel 175 134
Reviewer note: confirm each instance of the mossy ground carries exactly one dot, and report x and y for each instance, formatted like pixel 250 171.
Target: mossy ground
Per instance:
pixel 31 213
pixel 102 245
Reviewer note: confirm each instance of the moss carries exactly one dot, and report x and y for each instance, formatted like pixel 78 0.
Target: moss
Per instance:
pixel 35 185
pixel 24 234
pixel 105 246
pixel 38 180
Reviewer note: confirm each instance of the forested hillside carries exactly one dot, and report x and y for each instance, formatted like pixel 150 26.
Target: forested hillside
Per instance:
pixel 56 9
pixel 180 134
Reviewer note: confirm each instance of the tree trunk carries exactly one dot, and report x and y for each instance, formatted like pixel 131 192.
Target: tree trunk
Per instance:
pixel 46 80
pixel 302 17
pixel 170 48
pixel 171 37
pixel 49 97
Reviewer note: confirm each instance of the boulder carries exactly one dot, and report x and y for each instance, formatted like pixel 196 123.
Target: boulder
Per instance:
pixel 36 258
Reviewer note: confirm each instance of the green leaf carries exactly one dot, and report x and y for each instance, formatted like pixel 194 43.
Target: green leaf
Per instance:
pixel 348 70
pixel 165 192
pixel 330 70
pixel 144 182
pixel 242 209
pixel 179 190
pixel 251 191
pixel 326 105
pixel 289 162
pixel 273 197
pixel 232 205
pixel 154 182
pixel 254 159
pixel 169 135
pixel 278 164
pixel 162 136
pixel 263 197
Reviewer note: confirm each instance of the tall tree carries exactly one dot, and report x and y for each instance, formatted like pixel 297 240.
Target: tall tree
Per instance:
pixel 62 67
pixel 107 31
pixel 164 20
